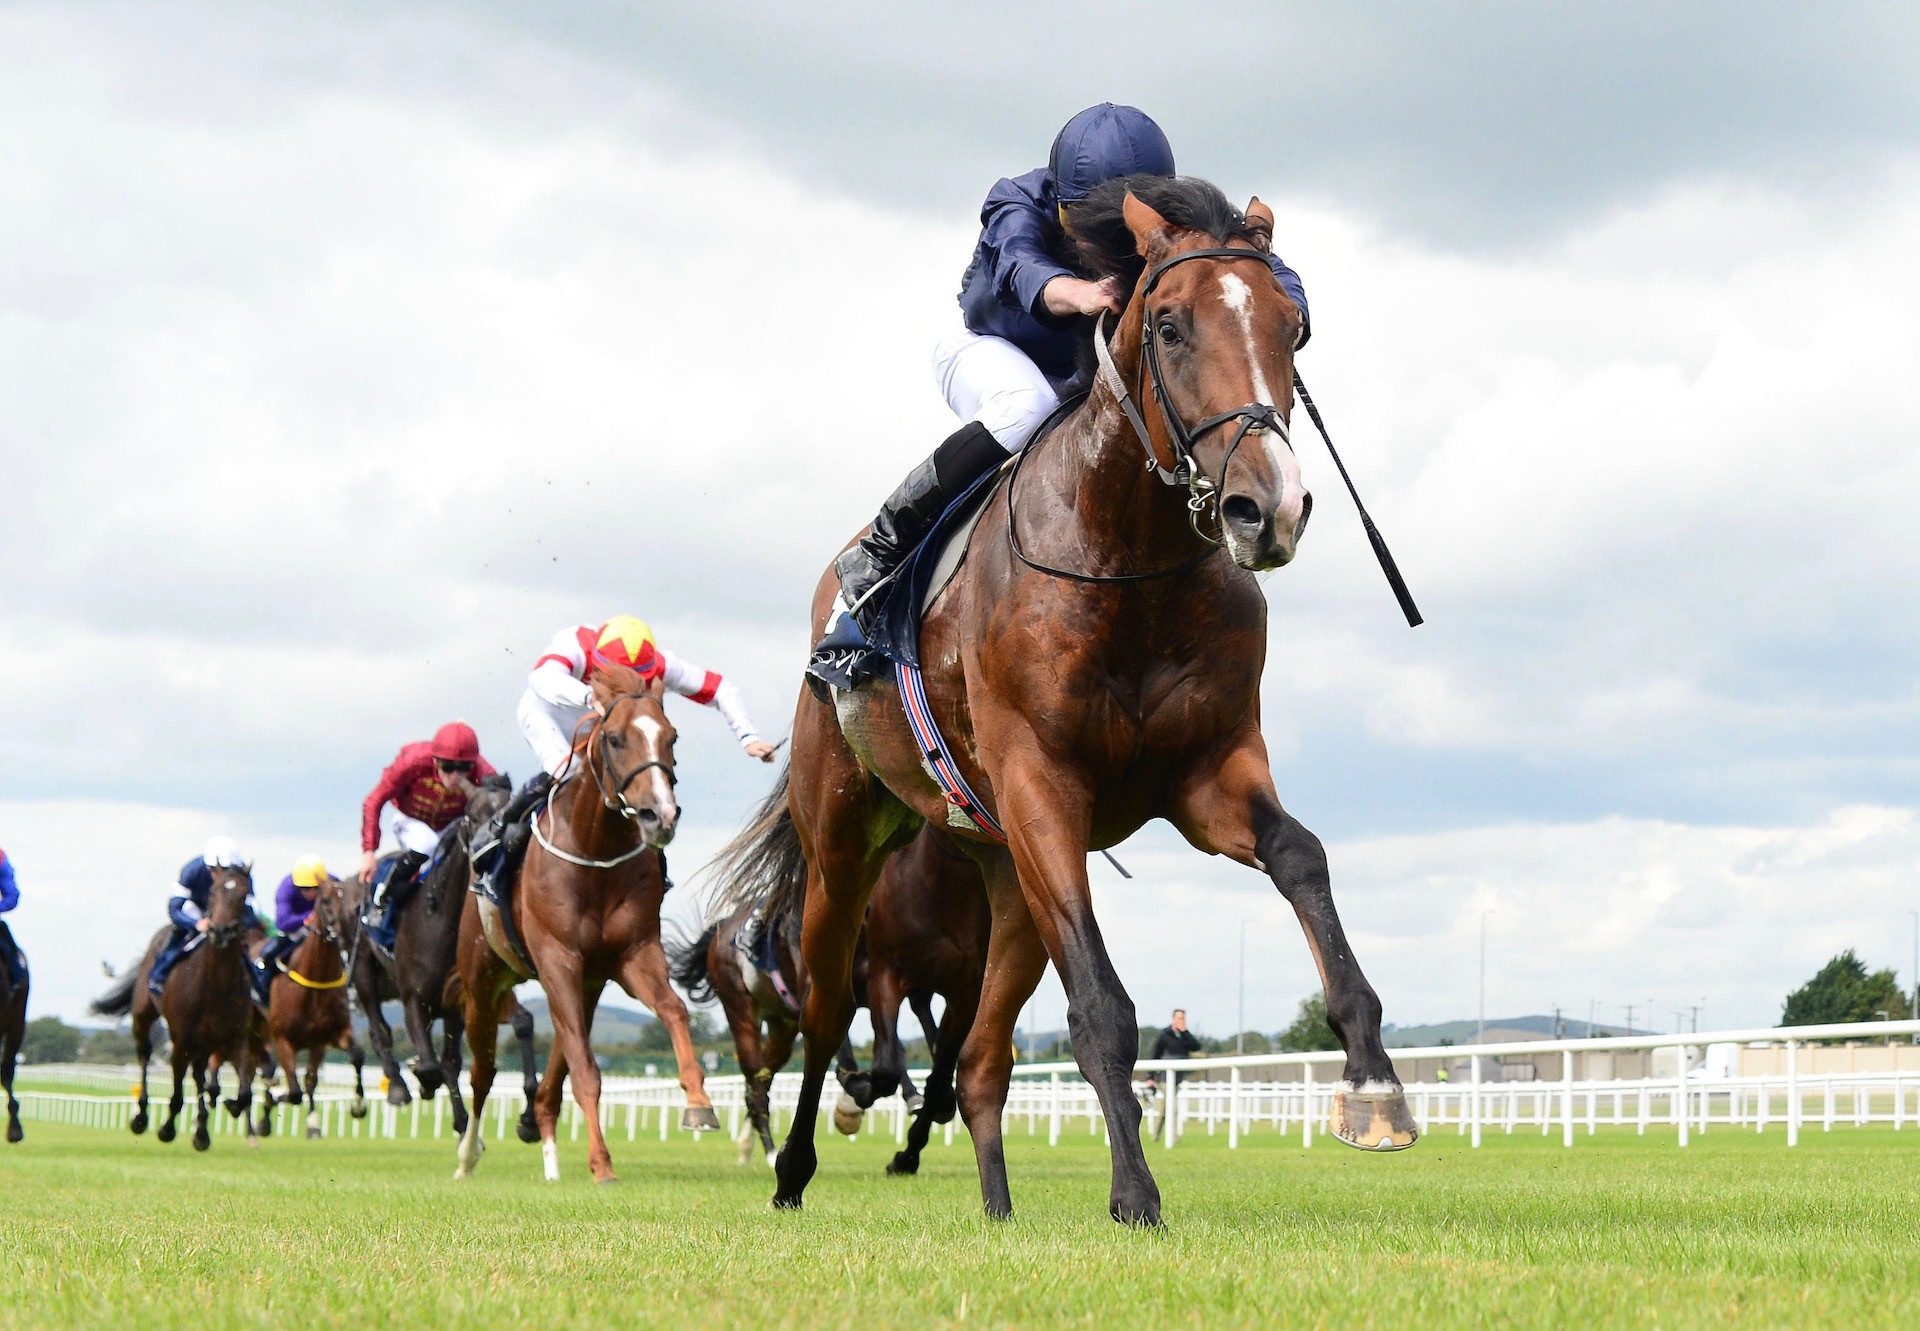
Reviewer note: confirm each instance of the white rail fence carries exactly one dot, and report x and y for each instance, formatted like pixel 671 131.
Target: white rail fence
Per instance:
pixel 1230 1097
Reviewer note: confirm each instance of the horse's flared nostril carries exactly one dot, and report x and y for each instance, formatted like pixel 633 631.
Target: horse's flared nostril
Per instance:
pixel 647 816
pixel 1242 512
pixel 1306 511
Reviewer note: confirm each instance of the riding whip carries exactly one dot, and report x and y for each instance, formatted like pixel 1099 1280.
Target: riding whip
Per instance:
pixel 1380 551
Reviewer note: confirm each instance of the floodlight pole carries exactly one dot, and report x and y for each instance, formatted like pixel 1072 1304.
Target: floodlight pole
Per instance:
pixel 1480 1035
pixel 1240 1021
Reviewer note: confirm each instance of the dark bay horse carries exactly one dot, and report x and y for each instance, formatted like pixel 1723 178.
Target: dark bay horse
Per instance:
pixel 13 1029
pixel 307 1009
pixel 207 1004
pixel 1094 664
pixel 426 935
pixel 762 1020
pixel 587 907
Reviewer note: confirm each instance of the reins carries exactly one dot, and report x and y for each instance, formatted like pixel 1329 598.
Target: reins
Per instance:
pixel 615 800
pixel 1203 492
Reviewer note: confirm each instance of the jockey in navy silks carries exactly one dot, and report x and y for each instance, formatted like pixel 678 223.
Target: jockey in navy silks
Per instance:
pixel 11 957
pixel 1018 349
pixel 188 910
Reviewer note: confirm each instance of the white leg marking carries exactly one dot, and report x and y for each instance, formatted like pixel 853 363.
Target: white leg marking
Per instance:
pixel 550 1160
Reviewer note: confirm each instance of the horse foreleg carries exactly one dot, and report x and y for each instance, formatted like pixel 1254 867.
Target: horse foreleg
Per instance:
pixel 922 1003
pixel 9 1057
pixel 143 1047
pixel 380 1033
pixel 314 1056
pixel 1015 961
pixel 771 1054
pixel 884 996
pixel 170 1126
pixel 643 974
pixel 938 1105
pixel 1234 811
pixel 201 1138
pixel 571 1001
pixel 426 1070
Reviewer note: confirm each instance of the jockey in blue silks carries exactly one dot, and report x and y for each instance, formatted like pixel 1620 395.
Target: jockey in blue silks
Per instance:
pixel 188 910
pixel 1018 349
pixel 10 955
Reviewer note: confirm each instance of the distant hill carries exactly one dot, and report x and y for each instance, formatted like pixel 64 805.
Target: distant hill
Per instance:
pixel 611 1024
pixel 1498 1029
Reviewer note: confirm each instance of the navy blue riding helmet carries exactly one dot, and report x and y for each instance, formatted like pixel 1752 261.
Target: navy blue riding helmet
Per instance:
pixel 1103 143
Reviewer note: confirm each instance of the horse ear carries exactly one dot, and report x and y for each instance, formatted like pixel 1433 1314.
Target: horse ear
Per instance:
pixel 657 688
pixel 1150 230
pixel 1260 222
pixel 603 691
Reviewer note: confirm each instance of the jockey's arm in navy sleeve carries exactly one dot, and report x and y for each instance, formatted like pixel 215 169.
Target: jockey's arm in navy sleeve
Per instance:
pixel 1017 232
pixel 183 913
pixel 1297 293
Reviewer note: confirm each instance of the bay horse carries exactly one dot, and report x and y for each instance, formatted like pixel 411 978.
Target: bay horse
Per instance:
pixel 13 1029
pixel 1094 664
pixel 207 1004
pixel 307 1010
pixel 587 908
pixel 421 972
pixel 762 1019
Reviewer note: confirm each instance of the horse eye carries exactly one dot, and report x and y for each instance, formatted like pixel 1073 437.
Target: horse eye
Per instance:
pixel 1168 333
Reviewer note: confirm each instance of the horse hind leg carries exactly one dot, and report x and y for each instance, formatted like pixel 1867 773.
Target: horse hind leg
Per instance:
pixel 570 1005
pixel 313 1084
pixel 170 1127
pixel 774 1053
pixel 527 1130
pixel 483 1040
pixel 8 1058
pixel 938 1105
pixel 143 1048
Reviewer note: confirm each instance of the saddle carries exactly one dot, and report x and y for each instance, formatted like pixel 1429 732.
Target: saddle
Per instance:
pixel 493 894
pixel 760 949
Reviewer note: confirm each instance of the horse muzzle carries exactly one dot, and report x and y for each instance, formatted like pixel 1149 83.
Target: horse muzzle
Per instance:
pixel 656 824
pixel 1264 536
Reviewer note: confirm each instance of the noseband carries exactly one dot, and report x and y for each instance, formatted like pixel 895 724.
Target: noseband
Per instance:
pixel 616 798
pixel 1203 491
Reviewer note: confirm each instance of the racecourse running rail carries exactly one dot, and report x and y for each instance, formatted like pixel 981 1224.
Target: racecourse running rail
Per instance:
pixel 1279 1093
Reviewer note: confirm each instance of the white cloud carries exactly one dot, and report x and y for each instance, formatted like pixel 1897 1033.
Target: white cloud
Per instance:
pixel 344 361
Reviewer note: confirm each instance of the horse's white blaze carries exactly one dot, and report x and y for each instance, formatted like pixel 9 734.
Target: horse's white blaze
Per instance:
pixel 550 1160
pixel 1238 297
pixel 654 734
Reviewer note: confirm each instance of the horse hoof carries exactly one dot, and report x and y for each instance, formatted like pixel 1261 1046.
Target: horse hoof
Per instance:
pixel 358 1108
pixel 903 1165
pixel 915 1103
pixel 15 1133
pixel 138 1124
pixel 1373 1120
pixel 699 1118
pixel 313 1134
pixel 847 1115
pixel 527 1130
pixel 201 1141
pixel 234 1108
pixel 603 1182
pixel 397 1094
pixel 858 1088
pixel 782 1202
pixel 167 1132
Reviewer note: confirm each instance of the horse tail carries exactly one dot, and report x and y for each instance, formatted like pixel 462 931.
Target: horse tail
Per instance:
pixel 762 869
pixel 117 1001
pixel 687 963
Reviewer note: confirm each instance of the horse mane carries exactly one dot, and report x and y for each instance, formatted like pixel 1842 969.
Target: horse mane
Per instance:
pixel 1105 247
pixel 621 679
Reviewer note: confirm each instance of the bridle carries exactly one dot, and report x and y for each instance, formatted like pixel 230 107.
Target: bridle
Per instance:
pixel 614 797
pixel 1203 491
pixel 224 935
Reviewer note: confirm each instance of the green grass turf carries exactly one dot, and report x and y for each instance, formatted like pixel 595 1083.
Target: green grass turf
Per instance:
pixel 101 1229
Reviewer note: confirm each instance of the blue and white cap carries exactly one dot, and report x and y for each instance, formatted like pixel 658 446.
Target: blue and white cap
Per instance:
pixel 1103 143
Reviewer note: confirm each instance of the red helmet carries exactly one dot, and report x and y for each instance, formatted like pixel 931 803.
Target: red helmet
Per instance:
pixel 455 742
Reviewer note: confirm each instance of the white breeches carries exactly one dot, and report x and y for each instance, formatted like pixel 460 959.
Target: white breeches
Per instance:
pixel 988 379
pixel 549 730
pixel 411 833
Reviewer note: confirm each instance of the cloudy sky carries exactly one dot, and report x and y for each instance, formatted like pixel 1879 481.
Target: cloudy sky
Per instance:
pixel 344 355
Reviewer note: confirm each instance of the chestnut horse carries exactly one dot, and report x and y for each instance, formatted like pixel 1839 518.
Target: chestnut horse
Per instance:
pixel 207 1003
pixel 587 907
pixel 422 968
pixel 13 1029
pixel 307 1009
pixel 1094 664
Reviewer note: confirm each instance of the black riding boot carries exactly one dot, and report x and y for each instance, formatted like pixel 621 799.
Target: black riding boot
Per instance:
pixel 499 845
pixel 962 458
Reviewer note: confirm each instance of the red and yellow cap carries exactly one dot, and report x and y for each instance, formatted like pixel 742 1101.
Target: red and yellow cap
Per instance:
pixel 626 641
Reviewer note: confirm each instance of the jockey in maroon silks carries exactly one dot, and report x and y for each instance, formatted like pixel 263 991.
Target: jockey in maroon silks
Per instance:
pixel 428 784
